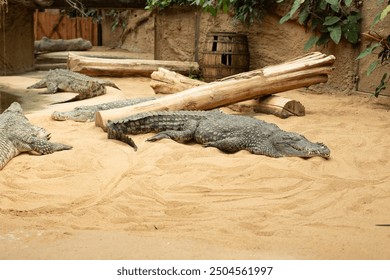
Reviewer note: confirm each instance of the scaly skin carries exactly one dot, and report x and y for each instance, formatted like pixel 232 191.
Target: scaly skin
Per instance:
pixel 65 80
pixel 229 133
pixel 88 113
pixel 17 135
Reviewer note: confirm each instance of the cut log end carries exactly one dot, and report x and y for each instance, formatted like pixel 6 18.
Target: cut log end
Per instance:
pixel 99 122
pixel 276 105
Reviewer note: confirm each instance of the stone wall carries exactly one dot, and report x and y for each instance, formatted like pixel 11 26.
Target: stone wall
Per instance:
pixel 16 40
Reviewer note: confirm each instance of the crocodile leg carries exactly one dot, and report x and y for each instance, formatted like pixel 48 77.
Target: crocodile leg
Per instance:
pixel 35 139
pixel 180 136
pixel 51 88
pixel 113 134
pixel 110 84
pixel 264 150
pixel 228 145
pixel 7 152
pixel 44 147
pixel 235 144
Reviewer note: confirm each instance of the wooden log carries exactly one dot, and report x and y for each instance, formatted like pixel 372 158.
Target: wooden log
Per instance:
pixel 276 105
pixel 99 52
pixel 93 66
pixel 287 76
pixel 49 66
pixel 169 82
pixel 57 45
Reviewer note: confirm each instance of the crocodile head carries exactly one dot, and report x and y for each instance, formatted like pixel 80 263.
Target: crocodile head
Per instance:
pixel 78 115
pixel 14 107
pixel 290 144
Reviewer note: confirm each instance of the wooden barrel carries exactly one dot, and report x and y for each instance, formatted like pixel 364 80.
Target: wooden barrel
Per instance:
pixel 224 54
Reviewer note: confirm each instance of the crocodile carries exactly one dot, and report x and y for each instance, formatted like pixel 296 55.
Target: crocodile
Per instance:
pixel 88 113
pixel 229 133
pixel 18 135
pixel 65 80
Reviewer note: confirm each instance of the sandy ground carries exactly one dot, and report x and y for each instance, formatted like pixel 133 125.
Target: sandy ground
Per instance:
pixel 102 200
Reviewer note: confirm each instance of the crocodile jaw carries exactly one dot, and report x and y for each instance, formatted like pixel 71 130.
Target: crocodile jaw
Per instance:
pixel 294 145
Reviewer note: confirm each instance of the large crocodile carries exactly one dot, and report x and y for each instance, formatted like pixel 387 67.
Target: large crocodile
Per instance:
pixel 65 80
pixel 18 135
pixel 87 113
pixel 229 133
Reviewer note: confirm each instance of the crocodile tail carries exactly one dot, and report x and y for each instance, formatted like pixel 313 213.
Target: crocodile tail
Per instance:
pixel 112 133
pixel 40 84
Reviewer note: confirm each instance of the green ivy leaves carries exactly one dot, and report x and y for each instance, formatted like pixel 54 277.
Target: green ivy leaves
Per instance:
pixel 335 33
pixel 368 51
pixel 380 16
pixel 351 27
pixel 296 5
pixel 331 18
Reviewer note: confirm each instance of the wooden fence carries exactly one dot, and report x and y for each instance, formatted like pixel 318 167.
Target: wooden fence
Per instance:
pixel 61 26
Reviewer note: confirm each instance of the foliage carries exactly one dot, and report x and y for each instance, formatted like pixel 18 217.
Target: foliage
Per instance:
pixel 380 43
pixel 332 19
pixel 329 19
pixel 118 19
pixel 246 11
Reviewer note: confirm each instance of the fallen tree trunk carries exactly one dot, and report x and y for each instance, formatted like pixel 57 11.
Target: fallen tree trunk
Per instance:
pixel 169 82
pixel 304 71
pixel 57 45
pixel 93 66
